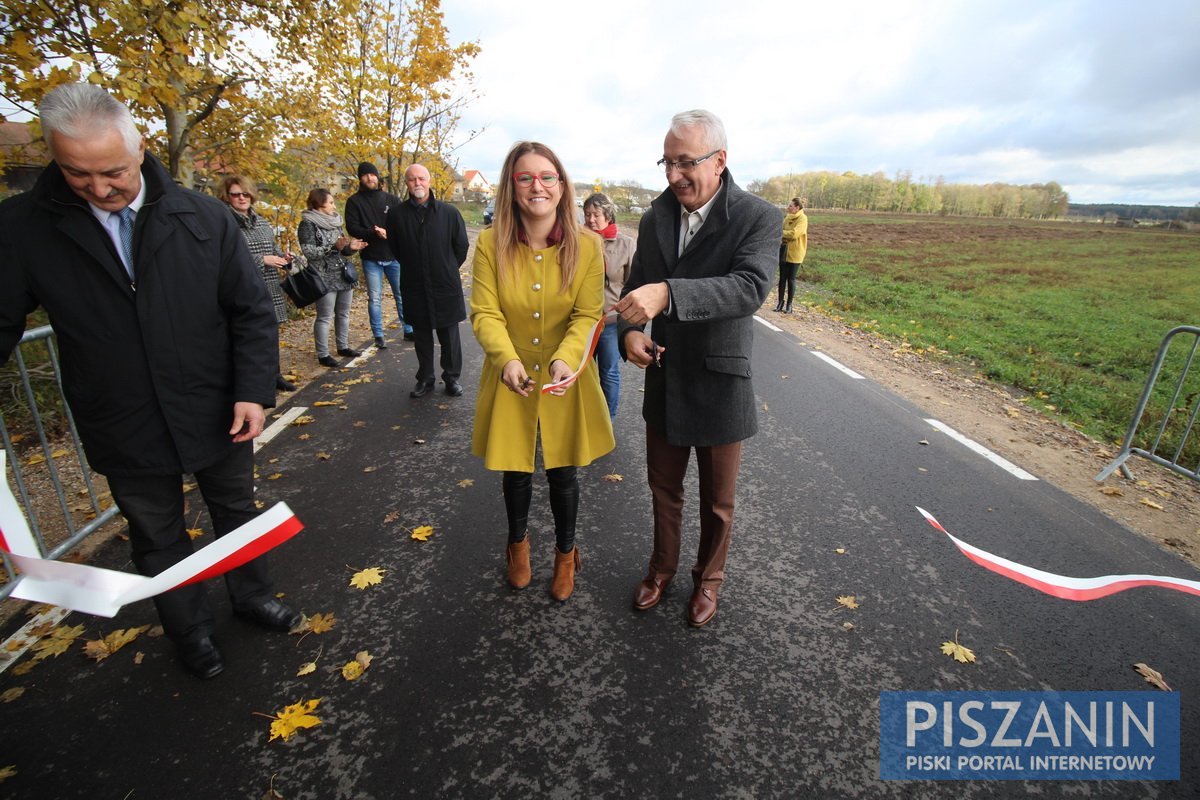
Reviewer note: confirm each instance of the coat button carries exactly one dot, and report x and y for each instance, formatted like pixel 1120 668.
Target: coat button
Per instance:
pixel 537 287
pixel 537 367
pixel 537 340
pixel 537 315
pixel 537 257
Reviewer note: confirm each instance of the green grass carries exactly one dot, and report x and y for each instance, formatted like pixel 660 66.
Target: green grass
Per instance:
pixel 1071 313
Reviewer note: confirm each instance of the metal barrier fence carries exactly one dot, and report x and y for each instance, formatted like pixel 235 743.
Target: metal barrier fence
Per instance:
pixel 54 524
pixel 1159 449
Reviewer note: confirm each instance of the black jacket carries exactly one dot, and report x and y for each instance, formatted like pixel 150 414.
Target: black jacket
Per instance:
pixel 431 244
pixel 151 373
pixel 365 209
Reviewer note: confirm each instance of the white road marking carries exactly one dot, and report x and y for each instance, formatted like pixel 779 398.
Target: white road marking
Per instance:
pixel 16 645
pixel 773 327
pixel 837 365
pixel 277 426
pixel 999 461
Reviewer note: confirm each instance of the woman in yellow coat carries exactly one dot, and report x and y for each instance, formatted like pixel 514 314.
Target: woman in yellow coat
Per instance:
pixel 538 290
pixel 792 251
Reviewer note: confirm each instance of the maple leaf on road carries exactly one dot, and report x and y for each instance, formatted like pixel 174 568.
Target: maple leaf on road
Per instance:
pixel 294 717
pixel 848 601
pixel 101 649
pixel 57 643
pixel 353 670
pixel 422 533
pixel 956 651
pixel 367 577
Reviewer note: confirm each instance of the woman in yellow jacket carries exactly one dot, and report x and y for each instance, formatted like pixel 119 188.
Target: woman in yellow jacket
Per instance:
pixel 791 253
pixel 538 290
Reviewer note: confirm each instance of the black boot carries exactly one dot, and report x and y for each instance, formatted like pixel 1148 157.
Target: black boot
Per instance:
pixel 564 505
pixel 779 305
pixel 788 308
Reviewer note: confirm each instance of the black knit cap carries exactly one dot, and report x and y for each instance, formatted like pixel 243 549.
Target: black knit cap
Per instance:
pixel 367 168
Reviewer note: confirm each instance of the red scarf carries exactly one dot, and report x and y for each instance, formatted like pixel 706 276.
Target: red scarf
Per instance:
pixel 610 232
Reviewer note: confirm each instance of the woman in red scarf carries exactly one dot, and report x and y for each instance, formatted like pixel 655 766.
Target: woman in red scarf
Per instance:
pixel 600 214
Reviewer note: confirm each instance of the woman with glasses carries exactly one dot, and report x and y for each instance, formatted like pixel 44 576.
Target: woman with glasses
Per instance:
pixel 537 296
pixel 325 245
pixel 600 214
pixel 239 193
pixel 791 252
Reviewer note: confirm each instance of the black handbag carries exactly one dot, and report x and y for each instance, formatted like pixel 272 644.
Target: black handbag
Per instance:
pixel 350 273
pixel 305 287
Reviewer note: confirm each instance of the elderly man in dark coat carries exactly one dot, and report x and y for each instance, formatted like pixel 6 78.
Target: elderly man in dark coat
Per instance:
pixel 430 240
pixel 167 338
pixel 706 254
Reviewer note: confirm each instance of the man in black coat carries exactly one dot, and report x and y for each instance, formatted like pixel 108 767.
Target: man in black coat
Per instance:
pixel 366 212
pixel 167 339
pixel 430 239
pixel 706 255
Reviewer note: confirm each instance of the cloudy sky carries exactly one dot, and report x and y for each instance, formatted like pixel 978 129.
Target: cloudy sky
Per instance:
pixel 1102 96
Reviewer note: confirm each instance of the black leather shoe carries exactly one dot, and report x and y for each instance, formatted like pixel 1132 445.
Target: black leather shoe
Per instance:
pixel 274 615
pixel 328 361
pixel 421 389
pixel 283 384
pixel 349 352
pixel 454 388
pixel 380 344
pixel 202 658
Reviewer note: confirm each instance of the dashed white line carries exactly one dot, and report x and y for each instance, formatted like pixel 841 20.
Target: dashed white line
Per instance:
pixel 16 645
pixel 277 426
pixel 999 461
pixel 837 365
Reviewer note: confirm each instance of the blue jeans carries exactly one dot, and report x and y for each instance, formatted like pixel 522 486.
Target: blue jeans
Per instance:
pixel 375 271
pixel 608 359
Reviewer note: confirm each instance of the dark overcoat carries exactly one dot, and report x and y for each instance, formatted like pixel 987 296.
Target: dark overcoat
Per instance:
pixel 151 372
pixel 430 243
pixel 701 394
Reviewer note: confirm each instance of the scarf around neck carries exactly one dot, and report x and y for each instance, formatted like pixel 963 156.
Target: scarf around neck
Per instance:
pixel 329 222
pixel 610 232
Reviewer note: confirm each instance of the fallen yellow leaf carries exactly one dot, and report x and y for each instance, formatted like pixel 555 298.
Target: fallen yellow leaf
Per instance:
pixel 422 533
pixel 367 577
pixel 1113 491
pixel 323 456
pixel 1146 501
pixel 1152 676
pixel 7 772
pixel 195 533
pixel 840 550
pixel 307 668
pixel 12 694
pixel 274 476
pixel 294 717
pixel 465 482
pixel 613 477
pixel 848 601
pixel 303 420
pixel 353 670
pixel 321 623
pixel 957 651
pixel 57 643
pixel 101 649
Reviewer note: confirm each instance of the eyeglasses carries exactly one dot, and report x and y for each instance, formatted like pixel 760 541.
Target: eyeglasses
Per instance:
pixel 526 179
pixel 236 195
pixel 685 166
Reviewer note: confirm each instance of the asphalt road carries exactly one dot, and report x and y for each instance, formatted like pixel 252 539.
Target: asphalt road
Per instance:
pixel 478 691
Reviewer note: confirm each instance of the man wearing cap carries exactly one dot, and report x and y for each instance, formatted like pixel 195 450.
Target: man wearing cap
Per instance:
pixel 366 211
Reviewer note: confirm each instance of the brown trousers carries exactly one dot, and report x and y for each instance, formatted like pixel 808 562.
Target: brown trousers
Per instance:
pixel 666 466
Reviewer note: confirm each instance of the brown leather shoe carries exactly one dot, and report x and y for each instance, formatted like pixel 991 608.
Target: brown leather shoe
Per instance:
pixel 649 592
pixel 702 607
pixel 517 557
pixel 565 567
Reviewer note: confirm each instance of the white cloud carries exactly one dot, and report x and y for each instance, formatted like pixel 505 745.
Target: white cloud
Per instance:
pixel 1097 95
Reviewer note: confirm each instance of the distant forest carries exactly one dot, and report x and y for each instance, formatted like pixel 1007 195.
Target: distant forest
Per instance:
pixel 1125 211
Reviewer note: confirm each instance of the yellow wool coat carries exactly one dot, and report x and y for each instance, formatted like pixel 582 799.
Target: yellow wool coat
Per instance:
pixel 527 317
pixel 795 236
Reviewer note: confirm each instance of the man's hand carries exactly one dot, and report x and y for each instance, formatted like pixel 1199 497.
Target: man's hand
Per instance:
pixel 381 232
pixel 644 303
pixel 248 419
pixel 641 350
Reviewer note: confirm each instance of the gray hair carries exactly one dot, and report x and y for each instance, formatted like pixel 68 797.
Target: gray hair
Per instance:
pixel 82 110
pixel 714 129
pixel 600 200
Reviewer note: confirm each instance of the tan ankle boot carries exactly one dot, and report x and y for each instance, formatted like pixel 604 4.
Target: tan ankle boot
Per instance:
pixel 565 567
pixel 517 557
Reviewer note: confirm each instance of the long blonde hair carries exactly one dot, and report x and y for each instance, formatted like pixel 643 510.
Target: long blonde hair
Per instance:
pixel 507 218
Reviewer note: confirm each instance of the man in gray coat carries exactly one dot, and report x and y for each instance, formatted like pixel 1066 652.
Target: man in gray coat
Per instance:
pixel 706 255
pixel 168 345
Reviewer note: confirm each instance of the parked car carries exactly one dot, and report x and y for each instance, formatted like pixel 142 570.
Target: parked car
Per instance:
pixel 488 212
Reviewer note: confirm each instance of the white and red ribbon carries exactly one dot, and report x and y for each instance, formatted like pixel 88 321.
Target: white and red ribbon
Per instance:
pixel 1062 586
pixel 593 340
pixel 102 592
